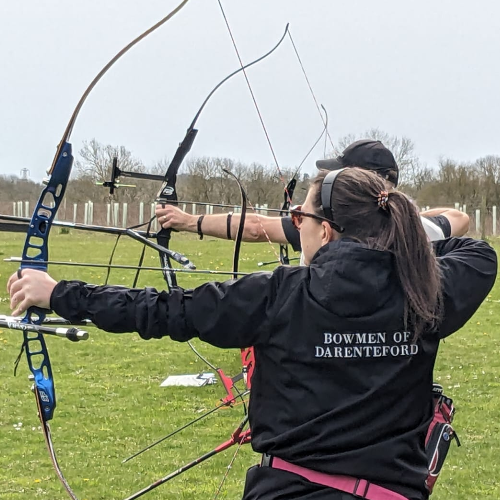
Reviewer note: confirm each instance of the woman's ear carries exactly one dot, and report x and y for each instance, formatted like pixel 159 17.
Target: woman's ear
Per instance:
pixel 328 233
pixel 389 186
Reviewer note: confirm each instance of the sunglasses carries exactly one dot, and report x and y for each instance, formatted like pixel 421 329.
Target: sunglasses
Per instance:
pixel 297 214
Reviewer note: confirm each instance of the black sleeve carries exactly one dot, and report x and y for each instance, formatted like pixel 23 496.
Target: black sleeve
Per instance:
pixel 230 314
pixel 291 233
pixel 442 222
pixel 469 269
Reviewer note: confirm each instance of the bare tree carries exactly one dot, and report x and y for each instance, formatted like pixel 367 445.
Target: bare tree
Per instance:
pixel 96 160
pixel 411 171
pixel 488 169
pixel 94 166
pixel 202 172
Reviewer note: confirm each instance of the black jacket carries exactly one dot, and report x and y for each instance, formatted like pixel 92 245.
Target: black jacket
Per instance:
pixel 339 386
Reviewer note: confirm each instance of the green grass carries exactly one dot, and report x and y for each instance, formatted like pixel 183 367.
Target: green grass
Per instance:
pixel 110 403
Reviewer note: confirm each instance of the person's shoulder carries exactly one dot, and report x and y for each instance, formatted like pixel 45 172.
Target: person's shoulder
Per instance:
pixel 290 276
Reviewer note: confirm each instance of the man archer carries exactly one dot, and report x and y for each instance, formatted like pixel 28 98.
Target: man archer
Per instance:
pixel 439 223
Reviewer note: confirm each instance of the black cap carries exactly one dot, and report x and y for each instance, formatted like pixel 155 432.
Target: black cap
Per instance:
pixel 367 154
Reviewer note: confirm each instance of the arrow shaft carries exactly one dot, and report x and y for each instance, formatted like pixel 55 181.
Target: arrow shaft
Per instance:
pixel 124 266
pixel 73 334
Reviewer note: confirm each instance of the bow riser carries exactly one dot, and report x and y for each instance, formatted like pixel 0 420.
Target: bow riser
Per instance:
pixel 36 253
pixel 167 193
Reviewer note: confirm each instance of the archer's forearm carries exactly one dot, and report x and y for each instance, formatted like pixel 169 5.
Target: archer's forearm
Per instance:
pixel 118 309
pixel 459 221
pixel 258 228
pixel 216 313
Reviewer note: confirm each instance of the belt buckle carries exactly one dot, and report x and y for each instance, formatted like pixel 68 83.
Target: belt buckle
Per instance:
pixel 359 484
pixel 266 460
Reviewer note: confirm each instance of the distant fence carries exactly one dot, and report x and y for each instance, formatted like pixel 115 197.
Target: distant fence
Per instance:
pixel 130 214
pixel 117 214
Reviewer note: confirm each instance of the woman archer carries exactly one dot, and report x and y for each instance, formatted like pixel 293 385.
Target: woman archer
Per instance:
pixel 344 346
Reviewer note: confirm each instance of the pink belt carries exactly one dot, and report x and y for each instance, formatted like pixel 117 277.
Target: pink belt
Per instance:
pixel 358 487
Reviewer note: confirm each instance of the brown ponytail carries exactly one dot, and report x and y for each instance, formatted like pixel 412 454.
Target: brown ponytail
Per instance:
pixel 388 221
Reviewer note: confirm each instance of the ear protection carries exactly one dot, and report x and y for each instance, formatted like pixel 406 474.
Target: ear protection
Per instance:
pixel 326 194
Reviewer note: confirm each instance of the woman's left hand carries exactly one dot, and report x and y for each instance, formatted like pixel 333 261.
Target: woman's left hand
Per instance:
pixel 28 288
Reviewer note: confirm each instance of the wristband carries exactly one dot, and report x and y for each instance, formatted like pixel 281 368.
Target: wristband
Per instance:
pixel 198 225
pixel 228 232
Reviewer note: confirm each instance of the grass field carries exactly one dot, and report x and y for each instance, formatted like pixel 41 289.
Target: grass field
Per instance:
pixel 110 403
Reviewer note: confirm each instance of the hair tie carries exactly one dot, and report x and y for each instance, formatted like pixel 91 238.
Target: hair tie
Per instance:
pixel 382 199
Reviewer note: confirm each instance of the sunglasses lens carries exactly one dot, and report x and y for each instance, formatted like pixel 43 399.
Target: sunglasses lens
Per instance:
pixel 295 215
pixel 296 219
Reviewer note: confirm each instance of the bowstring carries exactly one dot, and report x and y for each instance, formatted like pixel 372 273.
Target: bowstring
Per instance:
pixel 261 119
pixel 323 119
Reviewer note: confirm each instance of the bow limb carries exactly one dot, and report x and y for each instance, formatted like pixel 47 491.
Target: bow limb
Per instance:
pixel 168 192
pixel 122 52
pixel 223 404
pixel 247 354
pixel 238 437
pixel 241 226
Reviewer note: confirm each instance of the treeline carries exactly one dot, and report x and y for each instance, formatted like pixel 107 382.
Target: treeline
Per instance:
pixel 473 184
pixel 200 179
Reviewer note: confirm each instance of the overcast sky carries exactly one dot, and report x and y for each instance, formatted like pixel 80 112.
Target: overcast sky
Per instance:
pixel 427 69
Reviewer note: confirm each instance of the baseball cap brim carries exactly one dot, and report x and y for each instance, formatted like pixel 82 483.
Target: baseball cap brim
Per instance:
pixel 330 164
